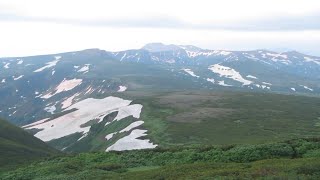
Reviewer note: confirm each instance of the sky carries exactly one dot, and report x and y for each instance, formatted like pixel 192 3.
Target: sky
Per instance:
pixel 36 27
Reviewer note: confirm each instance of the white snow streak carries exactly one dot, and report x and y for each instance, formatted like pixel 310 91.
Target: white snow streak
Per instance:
pixel 210 80
pixel 49 64
pixel 65 85
pixel 190 72
pixel 84 69
pixel 68 102
pixel 306 87
pixel 228 72
pixel 221 83
pixel 131 142
pixel 252 77
pixel 122 88
pixel 6 65
pixel 16 78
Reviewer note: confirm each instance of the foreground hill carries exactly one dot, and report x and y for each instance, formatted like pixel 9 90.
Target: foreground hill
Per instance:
pixel 18 146
pixel 295 159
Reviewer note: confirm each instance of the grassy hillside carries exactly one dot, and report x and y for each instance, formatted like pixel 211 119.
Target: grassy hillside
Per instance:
pixel 208 118
pixel 186 118
pixel 298 158
pixel 18 146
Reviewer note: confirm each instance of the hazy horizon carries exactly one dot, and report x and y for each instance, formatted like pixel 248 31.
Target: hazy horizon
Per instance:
pixel 44 27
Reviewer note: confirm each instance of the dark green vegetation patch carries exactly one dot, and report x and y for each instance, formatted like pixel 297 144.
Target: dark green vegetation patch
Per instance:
pixel 291 159
pixel 18 146
pixel 187 118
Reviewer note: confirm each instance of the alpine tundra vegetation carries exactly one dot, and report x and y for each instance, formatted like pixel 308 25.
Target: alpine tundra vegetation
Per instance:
pixel 166 89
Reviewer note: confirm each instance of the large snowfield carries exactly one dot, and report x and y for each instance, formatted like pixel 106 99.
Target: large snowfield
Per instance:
pixel 95 109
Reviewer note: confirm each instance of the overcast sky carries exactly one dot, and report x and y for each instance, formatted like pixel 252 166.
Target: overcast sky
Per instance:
pixel 31 27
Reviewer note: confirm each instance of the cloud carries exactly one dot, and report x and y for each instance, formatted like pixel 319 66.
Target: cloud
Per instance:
pixel 281 23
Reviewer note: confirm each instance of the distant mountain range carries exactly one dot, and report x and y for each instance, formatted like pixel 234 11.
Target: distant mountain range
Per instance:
pixel 46 80
pixel 48 87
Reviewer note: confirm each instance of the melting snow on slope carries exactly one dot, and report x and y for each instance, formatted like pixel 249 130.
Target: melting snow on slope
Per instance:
pixel 6 65
pixel 84 69
pixel 20 61
pixel 306 87
pixel 210 80
pixel 190 72
pixel 221 83
pixel 308 59
pixel 228 72
pixel 252 77
pixel 49 64
pixel 293 89
pixel 109 136
pixel 50 109
pixel 278 57
pixel 65 85
pixel 70 123
pixel 16 78
pixel 131 142
pixel 131 110
pixel 132 126
pixel 68 102
pixel 266 83
pixel 122 88
pixel 224 53
pixel 3 81
pixel 128 128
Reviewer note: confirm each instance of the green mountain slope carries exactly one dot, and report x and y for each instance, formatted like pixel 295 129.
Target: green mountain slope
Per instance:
pixel 294 159
pixel 203 118
pixel 18 146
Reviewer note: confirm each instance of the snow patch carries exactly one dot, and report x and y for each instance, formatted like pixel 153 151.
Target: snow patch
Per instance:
pixel 210 80
pixel 225 53
pixel 36 123
pixel 48 65
pixel 221 83
pixel 126 111
pixel 16 78
pixel 308 59
pixel 266 83
pixel 50 109
pixel 109 136
pixel 293 89
pixel 87 110
pixel 132 126
pixel 252 77
pixel 84 69
pixel 228 72
pixel 131 142
pixel 190 72
pixel 122 88
pixel 6 66
pixel 68 102
pixel 20 61
pixel 306 87
pixel 65 85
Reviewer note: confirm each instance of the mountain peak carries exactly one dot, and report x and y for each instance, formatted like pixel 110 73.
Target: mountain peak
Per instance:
pixel 159 47
pixel 190 48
